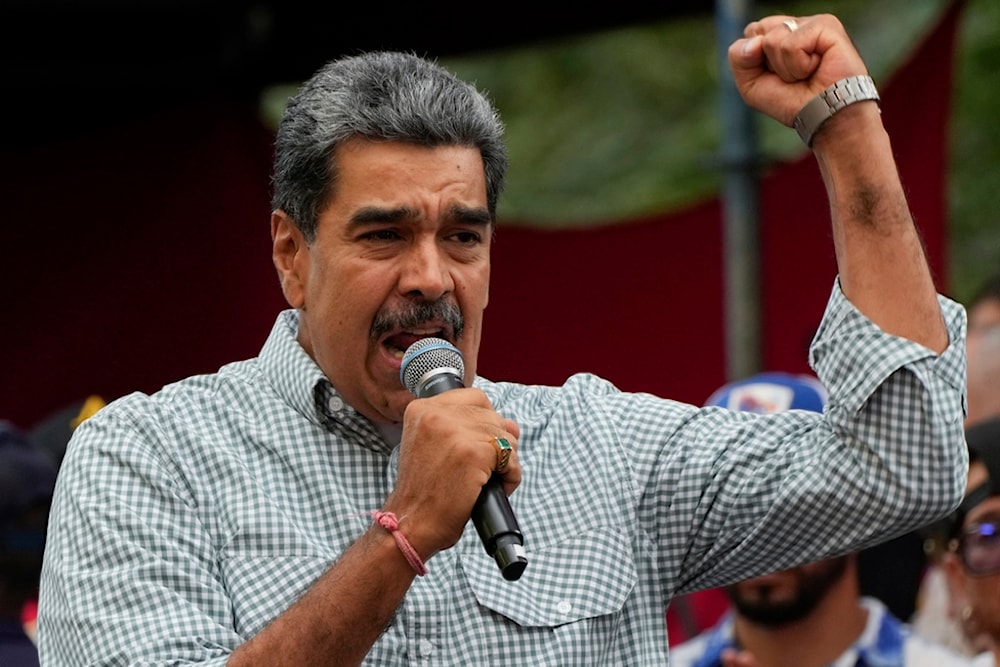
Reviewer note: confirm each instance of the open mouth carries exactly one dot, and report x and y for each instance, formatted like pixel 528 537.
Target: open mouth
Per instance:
pixel 397 327
pixel 397 343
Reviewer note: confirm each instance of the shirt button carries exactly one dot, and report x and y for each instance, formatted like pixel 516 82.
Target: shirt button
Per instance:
pixel 426 647
pixel 564 607
pixel 336 404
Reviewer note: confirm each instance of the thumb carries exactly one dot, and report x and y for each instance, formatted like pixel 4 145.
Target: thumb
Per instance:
pixel 746 58
pixel 757 85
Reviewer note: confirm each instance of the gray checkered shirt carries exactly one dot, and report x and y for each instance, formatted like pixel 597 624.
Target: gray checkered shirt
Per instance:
pixel 184 522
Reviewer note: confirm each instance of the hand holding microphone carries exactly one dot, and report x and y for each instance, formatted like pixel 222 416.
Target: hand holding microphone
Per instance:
pixel 430 367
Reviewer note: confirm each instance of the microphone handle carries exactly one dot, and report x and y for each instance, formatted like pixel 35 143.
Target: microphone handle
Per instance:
pixel 498 529
pixel 492 515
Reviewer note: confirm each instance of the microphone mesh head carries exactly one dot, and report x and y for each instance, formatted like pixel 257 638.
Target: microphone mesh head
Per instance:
pixel 426 355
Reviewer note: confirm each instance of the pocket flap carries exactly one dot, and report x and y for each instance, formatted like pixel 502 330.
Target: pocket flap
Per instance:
pixel 587 575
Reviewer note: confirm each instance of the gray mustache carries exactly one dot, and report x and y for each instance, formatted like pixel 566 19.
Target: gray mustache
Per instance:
pixel 416 314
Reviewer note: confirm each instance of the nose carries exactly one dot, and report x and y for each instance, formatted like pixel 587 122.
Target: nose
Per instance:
pixel 426 271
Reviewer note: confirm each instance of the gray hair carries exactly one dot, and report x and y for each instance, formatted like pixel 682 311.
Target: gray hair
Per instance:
pixel 381 96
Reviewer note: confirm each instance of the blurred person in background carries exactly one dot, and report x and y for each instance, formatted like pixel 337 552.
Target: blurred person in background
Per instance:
pixel 50 437
pixel 972 560
pixel 813 614
pixel 27 477
pixel 984 308
pixel 983 349
pixel 53 432
pixel 932 618
pixel 983 376
pixel 764 393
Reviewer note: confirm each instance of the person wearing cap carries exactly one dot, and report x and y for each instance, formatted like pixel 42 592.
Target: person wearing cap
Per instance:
pixel 972 560
pixel 809 615
pixel 27 477
pixel 49 438
pixel 765 393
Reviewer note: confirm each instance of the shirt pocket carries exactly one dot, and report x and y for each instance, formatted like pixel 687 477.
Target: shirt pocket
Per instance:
pixel 588 575
pixel 265 566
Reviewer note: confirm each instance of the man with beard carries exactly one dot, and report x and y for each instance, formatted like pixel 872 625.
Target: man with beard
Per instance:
pixel 811 615
pixel 303 508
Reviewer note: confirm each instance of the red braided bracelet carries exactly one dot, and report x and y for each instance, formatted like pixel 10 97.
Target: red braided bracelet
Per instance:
pixel 389 521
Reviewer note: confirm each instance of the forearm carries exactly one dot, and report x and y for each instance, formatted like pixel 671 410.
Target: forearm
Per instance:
pixel 343 614
pixel 780 66
pixel 339 619
pixel 897 407
pixel 880 256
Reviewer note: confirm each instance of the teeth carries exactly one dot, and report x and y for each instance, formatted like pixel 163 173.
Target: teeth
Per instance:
pixel 397 353
pixel 423 332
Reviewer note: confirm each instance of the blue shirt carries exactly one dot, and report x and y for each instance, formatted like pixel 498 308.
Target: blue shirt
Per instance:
pixel 885 642
pixel 16 647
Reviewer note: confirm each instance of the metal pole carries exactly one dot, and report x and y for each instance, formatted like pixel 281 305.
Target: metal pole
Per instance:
pixel 739 197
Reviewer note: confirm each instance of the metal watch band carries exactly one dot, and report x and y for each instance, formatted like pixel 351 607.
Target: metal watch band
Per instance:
pixel 819 109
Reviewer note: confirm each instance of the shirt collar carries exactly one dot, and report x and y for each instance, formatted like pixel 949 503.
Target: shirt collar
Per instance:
pixel 881 642
pixel 719 638
pixel 302 384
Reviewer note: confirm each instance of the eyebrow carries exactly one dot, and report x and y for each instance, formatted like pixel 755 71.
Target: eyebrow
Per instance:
pixel 369 215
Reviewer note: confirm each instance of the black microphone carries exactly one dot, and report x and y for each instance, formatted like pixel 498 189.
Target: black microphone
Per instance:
pixel 432 366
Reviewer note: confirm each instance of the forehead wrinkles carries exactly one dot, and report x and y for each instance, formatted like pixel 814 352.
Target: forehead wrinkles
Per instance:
pixel 433 168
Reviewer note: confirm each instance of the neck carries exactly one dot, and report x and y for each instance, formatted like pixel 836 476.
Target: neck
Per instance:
pixel 814 641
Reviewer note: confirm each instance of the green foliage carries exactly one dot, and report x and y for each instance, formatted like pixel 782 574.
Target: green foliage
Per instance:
pixel 626 122
pixel 605 125
pixel 974 176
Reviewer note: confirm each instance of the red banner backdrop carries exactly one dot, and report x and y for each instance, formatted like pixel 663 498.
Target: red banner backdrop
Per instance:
pixel 142 255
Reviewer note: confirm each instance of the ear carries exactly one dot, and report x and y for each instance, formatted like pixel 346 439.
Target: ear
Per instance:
pixel 290 254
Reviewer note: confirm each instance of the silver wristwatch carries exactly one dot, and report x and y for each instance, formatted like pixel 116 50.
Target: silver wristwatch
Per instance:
pixel 841 94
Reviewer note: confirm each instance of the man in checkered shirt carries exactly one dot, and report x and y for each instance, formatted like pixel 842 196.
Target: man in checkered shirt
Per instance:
pixel 228 518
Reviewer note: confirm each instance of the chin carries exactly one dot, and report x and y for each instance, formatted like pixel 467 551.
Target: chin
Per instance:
pixel 395 406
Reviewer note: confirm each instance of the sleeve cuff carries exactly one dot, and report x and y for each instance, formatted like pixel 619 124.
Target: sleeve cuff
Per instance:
pixel 852 356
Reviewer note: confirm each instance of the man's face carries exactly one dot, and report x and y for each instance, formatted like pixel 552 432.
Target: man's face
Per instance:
pixel 401 253
pixel 984 315
pixel 982 351
pixel 784 597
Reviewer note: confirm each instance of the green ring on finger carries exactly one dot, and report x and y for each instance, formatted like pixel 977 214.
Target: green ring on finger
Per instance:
pixel 503 453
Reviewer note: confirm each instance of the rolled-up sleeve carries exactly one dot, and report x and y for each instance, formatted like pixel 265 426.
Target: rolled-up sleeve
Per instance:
pixel 759 493
pixel 899 405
